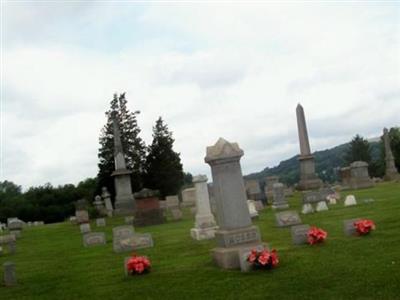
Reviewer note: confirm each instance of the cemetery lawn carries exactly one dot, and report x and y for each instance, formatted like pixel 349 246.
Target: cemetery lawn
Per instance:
pixel 51 262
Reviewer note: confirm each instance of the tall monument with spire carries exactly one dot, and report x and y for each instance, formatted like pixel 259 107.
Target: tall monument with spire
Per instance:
pixel 391 172
pixel 308 179
pixel 124 200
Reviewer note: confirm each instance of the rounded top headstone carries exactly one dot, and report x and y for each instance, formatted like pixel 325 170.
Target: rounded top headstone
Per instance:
pixel 359 164
pixel 146 193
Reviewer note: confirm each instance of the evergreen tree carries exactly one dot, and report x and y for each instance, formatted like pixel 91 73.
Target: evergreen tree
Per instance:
pixel 359 149
pixel 163 165
pixel 133 145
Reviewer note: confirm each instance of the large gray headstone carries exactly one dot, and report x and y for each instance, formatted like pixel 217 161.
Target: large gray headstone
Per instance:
pixel 300 234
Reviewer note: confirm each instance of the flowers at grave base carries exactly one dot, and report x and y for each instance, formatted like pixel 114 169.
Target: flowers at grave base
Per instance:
pixel 316 235
pixel 364 226
pixel 263 259
pixel 138 265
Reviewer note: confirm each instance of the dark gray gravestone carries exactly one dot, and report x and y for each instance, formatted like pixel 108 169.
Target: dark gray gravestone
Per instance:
pixel 300 234
pixel 244 253
pixel 348 227
pixel 10 278
pixel 287 218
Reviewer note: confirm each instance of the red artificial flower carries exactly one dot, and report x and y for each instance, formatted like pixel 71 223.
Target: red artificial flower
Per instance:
pixel 138 264
pixel 316 235
pixel 263 259
pixel 364 226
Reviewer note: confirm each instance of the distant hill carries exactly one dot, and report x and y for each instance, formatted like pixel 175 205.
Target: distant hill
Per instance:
pixel 327 162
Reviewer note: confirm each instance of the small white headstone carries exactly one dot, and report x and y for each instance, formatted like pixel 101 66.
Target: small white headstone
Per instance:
pixel 331 199
pixel 307 209
pixel 321 206
pixel 350 200
pixel 252 209
pixel 85 227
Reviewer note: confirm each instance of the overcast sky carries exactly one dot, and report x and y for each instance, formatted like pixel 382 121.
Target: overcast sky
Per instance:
pixel 210 70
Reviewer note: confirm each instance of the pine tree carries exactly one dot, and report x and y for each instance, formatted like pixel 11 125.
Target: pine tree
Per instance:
pixel 163 165
pixel 133 145
pixel 359 150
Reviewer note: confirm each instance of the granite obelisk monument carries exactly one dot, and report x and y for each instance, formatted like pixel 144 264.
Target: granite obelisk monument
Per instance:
pixel 308 179
pixel 124 200
pixel 391 172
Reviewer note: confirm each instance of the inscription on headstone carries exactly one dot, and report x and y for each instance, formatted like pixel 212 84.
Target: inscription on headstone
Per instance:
pixel 287 218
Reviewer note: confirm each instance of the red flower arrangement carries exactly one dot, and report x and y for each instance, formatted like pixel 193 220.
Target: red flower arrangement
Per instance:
pixel 364 227
pixel 263 259
pixel 138 265
pixel 316 235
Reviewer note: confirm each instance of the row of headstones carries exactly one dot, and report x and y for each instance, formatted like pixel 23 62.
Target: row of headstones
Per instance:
pixel 299 231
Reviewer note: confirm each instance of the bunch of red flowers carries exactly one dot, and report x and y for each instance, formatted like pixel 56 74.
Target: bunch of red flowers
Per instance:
pixel 263 259
pixel 316 235
pixel 364 226
pixel 138 265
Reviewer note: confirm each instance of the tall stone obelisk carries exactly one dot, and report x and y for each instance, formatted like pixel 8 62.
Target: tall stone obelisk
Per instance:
pixel 391 172
pixel 308 179
pixel 124 200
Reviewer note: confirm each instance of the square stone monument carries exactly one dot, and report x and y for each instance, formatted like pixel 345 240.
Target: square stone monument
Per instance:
pixel 148 211
pixel 236 230
pixel 279 201
pixel 359 175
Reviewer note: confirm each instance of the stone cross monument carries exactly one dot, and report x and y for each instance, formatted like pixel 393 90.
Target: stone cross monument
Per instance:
pixel 391 172
pixel 124 200
pixel 205 225
pixel 236 231
pixel 308 178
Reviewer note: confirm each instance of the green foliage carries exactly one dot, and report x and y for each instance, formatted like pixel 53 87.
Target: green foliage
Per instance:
pixel 45 203
pixel 132 144
pixel 358 150
pixel 52 263
pixel 163 165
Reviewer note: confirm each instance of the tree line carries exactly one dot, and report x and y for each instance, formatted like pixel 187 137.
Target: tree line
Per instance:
pixel 156 166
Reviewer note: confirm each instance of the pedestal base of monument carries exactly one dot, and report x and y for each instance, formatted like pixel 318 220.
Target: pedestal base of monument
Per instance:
pixel 230 242
pixel 124 208
pixel 149 217
pixel 308 179
pixel 392 177
pixel 358 183
pixel 200 234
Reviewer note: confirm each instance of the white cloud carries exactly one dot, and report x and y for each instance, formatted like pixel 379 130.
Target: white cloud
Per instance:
pixel 236 71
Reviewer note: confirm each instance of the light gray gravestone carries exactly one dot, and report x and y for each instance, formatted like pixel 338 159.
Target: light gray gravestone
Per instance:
pixel 82 216
pixel 348 227
pixel 189 197
pixel 94 238
pixel 359 175
pixel 121 238
pixel 287 218
pixel 236 230
pixel 172 201
pixel 10 277
pixel 100 222
pixel 307 209
pixel 279 200
pixel 85 228
pixel 300 234
pixel 105 195
pixel 176 213
pixel 321 206
pixel 350 200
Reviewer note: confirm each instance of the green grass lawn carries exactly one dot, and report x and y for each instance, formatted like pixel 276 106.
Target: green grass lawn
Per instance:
pixel 52 263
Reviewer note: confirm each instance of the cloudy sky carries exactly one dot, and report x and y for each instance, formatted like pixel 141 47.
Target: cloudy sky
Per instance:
pixel 210 70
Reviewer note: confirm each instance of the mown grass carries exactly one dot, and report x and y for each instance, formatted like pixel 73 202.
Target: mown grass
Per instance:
pixel 51 262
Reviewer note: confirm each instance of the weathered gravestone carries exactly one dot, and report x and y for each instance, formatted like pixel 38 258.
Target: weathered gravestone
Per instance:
pixel 259 205
pixel 300 234
pixel 148 211
pixel 172 201
pixel 124 239
pixel 189 197
pixel 100 222
pixel 176 213
pixel 348 227
pixel 244 253
pixel 129 220
pixel 252 209
pixel 236 230
pixel 9 241
pixel 99 206
pixel 94 239
pixel 270 181
pixel 10 278
pixel 350 200
pixel 287 218
pixel 15 226
pixel 205 225
pixel 279 200
pixel 85 228
pixel 81 213
pixel 73 220
pixel 359 175
pixel 253 190
pixel 105 195
pixel 314 197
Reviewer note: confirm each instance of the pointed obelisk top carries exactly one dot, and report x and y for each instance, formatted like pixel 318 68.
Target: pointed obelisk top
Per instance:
pixel 302 130
pixel 119 158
